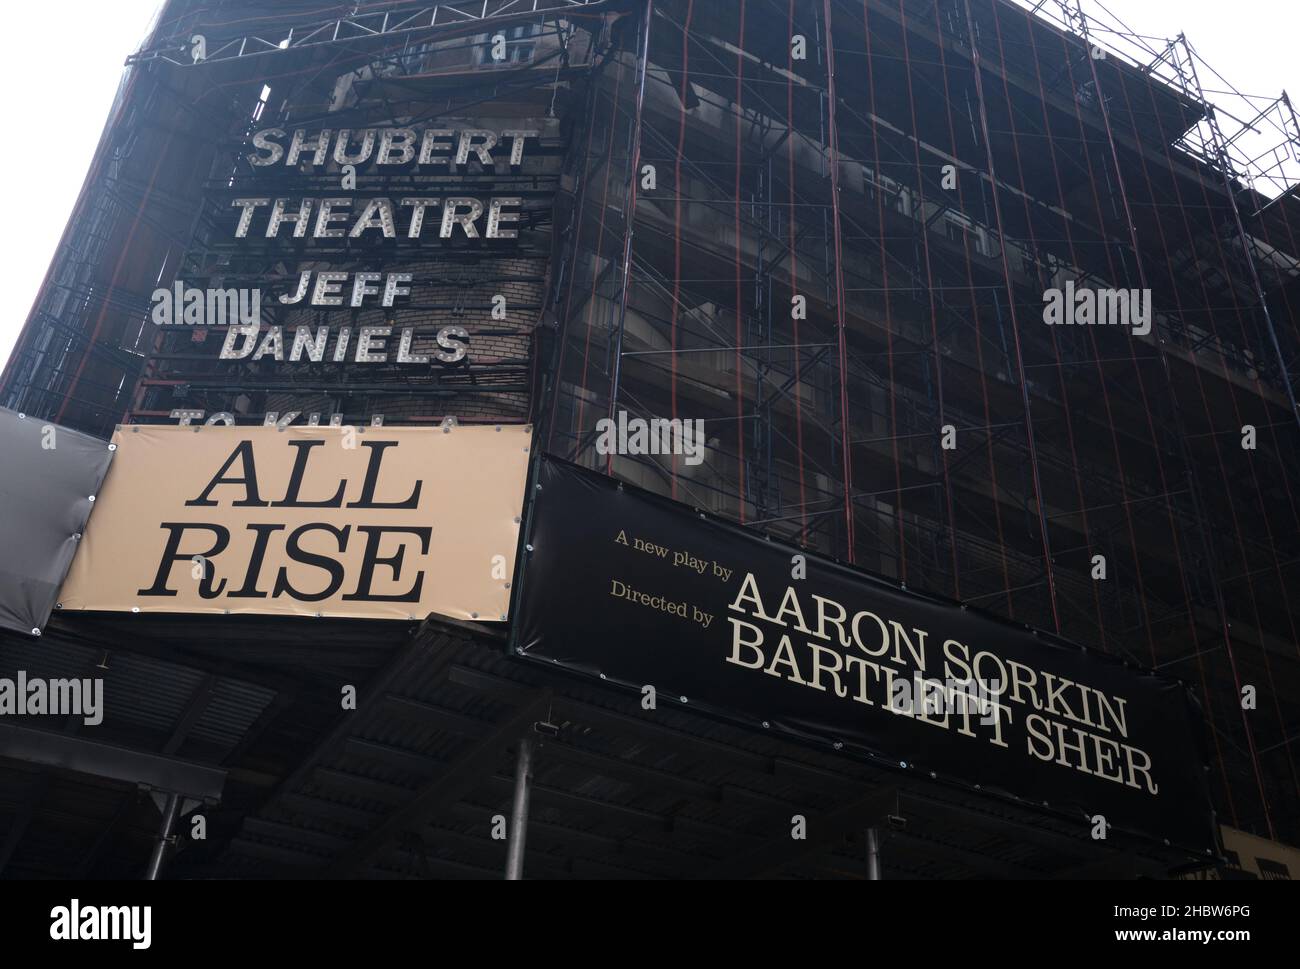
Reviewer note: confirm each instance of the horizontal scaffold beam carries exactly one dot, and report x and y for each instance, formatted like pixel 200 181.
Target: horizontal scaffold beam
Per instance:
pixel 189 51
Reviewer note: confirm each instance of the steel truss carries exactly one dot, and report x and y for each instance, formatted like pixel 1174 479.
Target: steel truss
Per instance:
pixel 398 21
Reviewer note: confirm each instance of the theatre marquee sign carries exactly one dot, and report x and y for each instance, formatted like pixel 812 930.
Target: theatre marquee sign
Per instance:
pixel 640 591
pixel 376 198
pixel 371 523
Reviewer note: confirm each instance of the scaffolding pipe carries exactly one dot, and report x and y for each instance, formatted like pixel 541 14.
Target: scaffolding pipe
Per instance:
pixel 840 296
pixel 873 854
pixel 519 810
pixel 629 217
pixel 164 839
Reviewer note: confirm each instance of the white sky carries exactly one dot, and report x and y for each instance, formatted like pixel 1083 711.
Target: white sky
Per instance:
pixel 1251 42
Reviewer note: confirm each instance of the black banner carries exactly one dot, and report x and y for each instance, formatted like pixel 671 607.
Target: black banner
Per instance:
pixel 644 592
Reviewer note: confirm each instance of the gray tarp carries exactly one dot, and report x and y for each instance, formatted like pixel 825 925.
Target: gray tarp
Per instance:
pixel 47 477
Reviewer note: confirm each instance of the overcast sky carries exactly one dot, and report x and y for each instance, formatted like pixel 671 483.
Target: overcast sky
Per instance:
pixel 72 76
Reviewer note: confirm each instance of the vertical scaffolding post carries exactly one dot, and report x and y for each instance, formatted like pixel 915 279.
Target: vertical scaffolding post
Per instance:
pixel 841 321
pixel 164 838
pixel 629 216
pixel 873 854
pixel 519 809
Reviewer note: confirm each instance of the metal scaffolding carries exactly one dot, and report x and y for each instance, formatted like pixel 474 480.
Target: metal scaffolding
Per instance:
pixel 918 175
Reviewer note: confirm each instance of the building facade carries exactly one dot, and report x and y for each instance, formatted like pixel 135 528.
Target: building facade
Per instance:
pixel 980 296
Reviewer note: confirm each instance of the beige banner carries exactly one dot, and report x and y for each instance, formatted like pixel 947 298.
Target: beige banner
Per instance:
pixel 370 523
